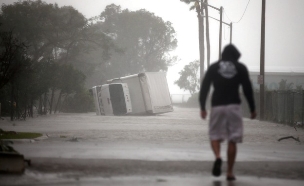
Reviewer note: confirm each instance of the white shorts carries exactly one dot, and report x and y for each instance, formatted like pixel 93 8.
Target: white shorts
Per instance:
pixel 226 122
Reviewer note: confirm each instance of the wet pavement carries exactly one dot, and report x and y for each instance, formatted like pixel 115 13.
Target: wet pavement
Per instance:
pixel 168 149
pixel 169 181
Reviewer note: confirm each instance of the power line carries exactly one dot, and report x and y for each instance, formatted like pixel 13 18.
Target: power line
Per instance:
pixel 242 15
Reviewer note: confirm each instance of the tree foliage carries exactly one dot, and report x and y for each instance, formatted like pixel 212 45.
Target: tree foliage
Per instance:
pixel 60 33
pixel 52 49
pixel 189 77
pixel 44 39
pixel 299 88
pixel 201 8
pixel 195 4
pixel 283 85
pixel 146 41
pixel 12 57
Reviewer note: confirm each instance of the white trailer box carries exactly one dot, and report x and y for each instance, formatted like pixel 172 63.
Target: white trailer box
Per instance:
pixel 149 92
pixel 113 99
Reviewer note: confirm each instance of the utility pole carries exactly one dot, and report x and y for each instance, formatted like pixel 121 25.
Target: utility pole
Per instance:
pixel 230 33
pixel 230 25
pixel 220 37
pixel 200 13
pixel 221 22
pixel 207 33
pixel 262 62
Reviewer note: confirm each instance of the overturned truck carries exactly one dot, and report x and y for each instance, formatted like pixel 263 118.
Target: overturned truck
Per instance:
pixel 112 99
pixel 147 92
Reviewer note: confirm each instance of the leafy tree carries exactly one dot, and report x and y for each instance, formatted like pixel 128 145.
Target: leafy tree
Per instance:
pixel 91 60
pixel 44 79
pixel 66 80
pixel 283 85
pixel 146 41
pixel 81 101
pixel 13 60
pixel 22 89
pixel 53 36
pixel 199 7
pixel 299 88
pixel 71 81
pixel 189 77
pixel 52 32
pixel 12 56
pixel 31 24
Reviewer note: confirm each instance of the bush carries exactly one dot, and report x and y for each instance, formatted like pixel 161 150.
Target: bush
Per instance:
pixel 80 102
pixel 193 100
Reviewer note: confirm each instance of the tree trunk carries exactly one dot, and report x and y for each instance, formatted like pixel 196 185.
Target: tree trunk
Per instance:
pixel 40 105
pixel 45 103
pixel 52 98
pixel 31 108
pixel 24 113
pixel 16 98
pixel 207 35
pixel 58 101
pixel 12 103
pixel 62 103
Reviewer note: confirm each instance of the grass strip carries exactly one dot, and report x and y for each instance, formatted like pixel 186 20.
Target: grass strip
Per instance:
pixel 20 135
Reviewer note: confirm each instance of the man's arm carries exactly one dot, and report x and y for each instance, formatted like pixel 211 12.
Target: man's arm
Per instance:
pixel 247 89
pixel 205 86
pixel 203 114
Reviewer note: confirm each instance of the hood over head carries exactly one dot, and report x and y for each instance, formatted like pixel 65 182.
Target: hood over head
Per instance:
pixel 231 53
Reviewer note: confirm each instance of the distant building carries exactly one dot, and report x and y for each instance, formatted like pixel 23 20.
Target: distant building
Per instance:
pixel 272 79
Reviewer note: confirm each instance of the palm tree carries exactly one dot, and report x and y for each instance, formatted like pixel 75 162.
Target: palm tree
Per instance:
pixel 195 4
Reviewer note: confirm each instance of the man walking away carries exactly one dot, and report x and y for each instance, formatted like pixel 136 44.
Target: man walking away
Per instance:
pixel 226 76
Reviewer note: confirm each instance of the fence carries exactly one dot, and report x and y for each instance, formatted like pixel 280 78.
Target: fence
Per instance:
pixel 180 98
pixel 280 106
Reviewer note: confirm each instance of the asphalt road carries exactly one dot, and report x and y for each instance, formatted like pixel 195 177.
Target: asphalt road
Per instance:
pixel 167 149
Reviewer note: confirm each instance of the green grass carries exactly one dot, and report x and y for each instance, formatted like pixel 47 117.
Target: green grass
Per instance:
pixel 20 135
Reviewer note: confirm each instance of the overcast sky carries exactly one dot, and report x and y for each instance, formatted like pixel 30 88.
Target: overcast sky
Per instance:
pixel 284 30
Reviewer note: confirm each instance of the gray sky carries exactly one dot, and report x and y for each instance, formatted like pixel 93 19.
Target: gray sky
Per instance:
pixel 284 30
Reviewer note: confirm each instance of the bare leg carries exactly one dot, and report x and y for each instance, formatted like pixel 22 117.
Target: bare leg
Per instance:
pixel 216 147
pixel 231 153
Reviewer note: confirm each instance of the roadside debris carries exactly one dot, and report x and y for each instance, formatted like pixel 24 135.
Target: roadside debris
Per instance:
pixel 287 137
pixel 11 161
pixel 74 139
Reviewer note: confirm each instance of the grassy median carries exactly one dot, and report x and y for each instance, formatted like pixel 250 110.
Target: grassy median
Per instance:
pixel 18 135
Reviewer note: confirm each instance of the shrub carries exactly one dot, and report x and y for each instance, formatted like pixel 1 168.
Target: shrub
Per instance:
pixel 81 102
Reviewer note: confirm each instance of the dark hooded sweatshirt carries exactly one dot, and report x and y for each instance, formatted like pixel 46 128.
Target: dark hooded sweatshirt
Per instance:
pixel 226 76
